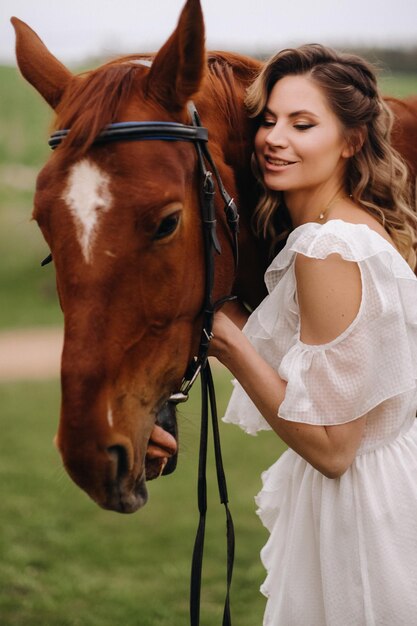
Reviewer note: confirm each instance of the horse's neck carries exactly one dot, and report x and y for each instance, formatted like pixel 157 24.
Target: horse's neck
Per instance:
pixel 231 133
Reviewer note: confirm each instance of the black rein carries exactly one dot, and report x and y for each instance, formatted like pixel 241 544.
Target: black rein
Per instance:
pixel 197 134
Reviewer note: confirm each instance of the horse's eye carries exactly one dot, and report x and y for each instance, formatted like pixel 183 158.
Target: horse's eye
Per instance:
pixel 167 226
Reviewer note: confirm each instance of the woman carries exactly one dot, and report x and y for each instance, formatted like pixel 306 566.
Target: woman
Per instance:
pixel 329 359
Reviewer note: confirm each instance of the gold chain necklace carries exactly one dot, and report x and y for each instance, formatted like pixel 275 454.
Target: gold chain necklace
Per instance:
pixel 332 202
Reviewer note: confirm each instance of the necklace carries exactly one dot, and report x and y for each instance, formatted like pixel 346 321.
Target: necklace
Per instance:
pixel 325 211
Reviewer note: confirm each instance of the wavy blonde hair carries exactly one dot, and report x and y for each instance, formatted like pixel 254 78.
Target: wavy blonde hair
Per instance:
pixel 376 177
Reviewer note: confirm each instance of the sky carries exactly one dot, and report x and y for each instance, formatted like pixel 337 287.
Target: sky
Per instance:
pixel 74 30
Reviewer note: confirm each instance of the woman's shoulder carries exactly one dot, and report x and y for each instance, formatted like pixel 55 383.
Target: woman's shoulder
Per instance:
pixel 357 241
pixel 353 240
pixel 350 213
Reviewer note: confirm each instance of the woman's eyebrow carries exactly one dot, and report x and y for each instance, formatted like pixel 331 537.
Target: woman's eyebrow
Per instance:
pixel 293 114
pixel 303 112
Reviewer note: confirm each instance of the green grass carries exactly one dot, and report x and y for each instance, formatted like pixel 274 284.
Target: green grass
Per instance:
pixel 65 562
pixel 24 121
pixel 398 85
pixel 27 293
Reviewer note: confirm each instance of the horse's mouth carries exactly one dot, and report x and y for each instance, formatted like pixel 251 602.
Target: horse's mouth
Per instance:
pixel 123 490
pixel 154 467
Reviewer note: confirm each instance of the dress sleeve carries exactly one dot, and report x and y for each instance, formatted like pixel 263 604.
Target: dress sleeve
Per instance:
pixel 373 360
pixel 243 412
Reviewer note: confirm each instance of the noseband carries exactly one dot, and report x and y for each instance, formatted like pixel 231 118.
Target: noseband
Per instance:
pixel 198 135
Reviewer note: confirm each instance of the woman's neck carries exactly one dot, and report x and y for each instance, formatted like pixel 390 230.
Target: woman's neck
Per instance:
pixel 312 206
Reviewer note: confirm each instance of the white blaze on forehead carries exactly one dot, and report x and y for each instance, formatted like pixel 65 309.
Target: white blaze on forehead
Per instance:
pixel 87 196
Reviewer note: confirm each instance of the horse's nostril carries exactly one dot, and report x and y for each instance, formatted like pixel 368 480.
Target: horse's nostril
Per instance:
pixel 120 460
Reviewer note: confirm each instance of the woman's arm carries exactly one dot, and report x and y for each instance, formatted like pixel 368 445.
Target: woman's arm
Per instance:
pixel 237 312
pixel 329 293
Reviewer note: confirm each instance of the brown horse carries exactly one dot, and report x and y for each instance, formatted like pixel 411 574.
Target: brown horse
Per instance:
pixel 123 225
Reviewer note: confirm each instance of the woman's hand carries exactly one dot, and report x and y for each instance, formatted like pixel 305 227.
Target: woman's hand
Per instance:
pixel 225 335
pixel 161 446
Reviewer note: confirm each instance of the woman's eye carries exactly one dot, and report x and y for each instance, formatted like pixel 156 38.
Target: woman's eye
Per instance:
pixel 267 123
pixel 167 226
pixel 303 126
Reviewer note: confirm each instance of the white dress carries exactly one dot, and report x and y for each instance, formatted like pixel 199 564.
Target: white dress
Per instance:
pixel 341 552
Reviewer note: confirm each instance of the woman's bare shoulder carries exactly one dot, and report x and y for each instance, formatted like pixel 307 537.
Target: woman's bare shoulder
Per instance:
pixel 354 214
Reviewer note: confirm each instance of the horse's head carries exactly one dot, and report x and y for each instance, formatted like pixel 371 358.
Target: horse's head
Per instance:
pixel 123 225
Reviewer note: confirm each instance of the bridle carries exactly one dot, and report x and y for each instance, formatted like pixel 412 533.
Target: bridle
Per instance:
pixel 198 135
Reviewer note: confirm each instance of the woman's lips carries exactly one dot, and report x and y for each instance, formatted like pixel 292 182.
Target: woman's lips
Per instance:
pixel 277 162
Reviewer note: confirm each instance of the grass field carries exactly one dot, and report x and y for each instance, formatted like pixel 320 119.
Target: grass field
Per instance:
pixel 27 293
pixel 65 562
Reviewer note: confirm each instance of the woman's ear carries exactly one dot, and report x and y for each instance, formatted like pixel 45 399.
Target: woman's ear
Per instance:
pixel 354 142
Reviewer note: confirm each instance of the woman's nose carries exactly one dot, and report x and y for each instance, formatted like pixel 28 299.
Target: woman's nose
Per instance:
pixel 277 137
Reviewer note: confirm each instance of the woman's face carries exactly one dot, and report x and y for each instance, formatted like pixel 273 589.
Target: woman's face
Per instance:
pixel 300 143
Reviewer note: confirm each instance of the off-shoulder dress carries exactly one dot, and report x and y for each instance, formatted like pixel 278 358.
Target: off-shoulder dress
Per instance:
pixel 341 552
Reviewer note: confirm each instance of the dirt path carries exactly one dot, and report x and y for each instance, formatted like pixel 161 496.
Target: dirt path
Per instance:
pixel 30 354
pixel 35 354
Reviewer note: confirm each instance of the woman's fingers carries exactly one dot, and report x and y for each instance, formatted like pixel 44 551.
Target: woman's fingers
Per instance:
pixel 161 443
pixel 154 452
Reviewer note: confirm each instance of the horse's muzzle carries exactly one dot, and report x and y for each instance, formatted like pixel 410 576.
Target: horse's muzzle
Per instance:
pixel 123 499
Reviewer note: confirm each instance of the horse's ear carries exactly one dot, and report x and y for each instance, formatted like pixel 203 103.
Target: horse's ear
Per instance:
pixel 179 66
pixel 40 68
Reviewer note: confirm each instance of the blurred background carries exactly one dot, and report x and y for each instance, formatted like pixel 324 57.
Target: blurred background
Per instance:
pixel 64 561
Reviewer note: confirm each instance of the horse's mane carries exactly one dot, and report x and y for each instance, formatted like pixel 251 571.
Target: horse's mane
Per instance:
pixel 233 73
pixel 94 98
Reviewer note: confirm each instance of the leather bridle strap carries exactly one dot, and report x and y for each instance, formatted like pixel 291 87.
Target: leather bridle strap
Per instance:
pixel 208 396
pixel 139 131
pixel 230 207
pixel 211 246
